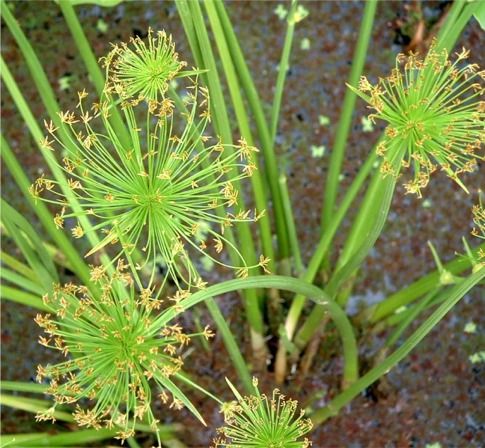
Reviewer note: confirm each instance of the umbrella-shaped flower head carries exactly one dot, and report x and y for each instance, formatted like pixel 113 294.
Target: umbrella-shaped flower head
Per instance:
pixel 259 421
pixel 167 188
pixel 143 69
pixel 435 114
pixel 116 350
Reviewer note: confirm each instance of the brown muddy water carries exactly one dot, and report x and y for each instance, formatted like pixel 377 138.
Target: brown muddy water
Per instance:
pixel 436 395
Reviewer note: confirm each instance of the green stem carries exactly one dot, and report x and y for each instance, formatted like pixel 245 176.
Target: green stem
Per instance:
pixel 445 35
pixel 283 70
pixel 363 235
pixel 17 265
pixel 290 222
pixel 62 439
pixel 33 405
pixel 24 298
pixel 267 143
pixel 19 386
pixel 243 123
pixel 282 283
pixel 22 282
pixel 454 296
pixel 401 328
pixel 325 242
pixel 418 288
pixel 194 26
pixel 231 345
pixel 41 210
pixel 343 128
pixel 452 16
pixel 366 229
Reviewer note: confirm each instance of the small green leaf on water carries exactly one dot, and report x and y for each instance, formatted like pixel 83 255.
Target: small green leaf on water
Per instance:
pixel 305 44
pixel 102 26
pixel 318 151
pixel 470 327
pixel 367 125
pixel 65 82
pixel 280 11
pixel 477 357
pixel 427 203
pixel 323 120
pixel 433 445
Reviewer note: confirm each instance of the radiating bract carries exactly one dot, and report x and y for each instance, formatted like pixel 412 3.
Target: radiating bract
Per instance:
pixel 162 192
pixel 117 349
pixel 435 116
pixel 259 421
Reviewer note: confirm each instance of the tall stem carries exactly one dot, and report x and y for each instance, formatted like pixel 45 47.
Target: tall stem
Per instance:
pixel 193 22
pixel 343 128
pixel 454 295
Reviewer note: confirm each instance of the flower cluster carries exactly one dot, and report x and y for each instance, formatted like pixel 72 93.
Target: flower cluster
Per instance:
pixel 259 421
pixel 116 348
pixel 143 70
pixel 434 113
pixel 169 194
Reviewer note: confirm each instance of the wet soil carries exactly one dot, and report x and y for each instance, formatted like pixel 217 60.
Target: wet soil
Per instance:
pixel 436 394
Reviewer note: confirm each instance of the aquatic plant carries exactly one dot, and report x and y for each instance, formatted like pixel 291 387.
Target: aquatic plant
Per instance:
pixel 137 173
pixel 116 355
pixel 259 421
pixel 163 191
pixel 435 115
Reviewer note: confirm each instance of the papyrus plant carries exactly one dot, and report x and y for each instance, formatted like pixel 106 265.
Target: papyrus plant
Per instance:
pixel 139 164
pixel 259 421
pixel 435 113
pixel 119 348
pixel 170 191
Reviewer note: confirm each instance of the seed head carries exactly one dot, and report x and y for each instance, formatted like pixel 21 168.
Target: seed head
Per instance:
pixel 116 350
pixel 434 114
pixel 260 421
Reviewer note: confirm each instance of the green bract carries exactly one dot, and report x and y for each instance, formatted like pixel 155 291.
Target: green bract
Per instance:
pixel 143 70
pixel 434 113
pixel 115 352
pixel 166 193
pixel 258 421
